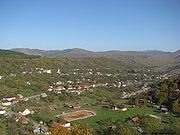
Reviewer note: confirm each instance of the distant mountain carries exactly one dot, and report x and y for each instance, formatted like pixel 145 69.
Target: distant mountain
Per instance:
pixel 176 55
pixel 75 52
pixel 150 58
pixel 30 51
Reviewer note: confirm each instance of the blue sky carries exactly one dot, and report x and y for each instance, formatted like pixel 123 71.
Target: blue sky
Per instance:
pixel 96 25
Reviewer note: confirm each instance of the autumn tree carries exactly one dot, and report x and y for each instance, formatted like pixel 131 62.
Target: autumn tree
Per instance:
pixel 57 129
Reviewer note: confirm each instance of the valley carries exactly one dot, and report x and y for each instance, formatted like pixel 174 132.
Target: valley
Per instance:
pixel 35 91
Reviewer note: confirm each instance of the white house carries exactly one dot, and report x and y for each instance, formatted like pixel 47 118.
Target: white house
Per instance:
pixel 124 109
pixel 50 88
pixel 48 71
pixel 63 122
pixel 59 83
pixel 59 71
pixel 6 103
pixel 43 95
pixel 60 88
pixel 9 98
pixel 1 77
pixel 2 111
pixel 25 112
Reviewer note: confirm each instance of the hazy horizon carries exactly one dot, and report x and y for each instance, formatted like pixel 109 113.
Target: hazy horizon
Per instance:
pixel 88 49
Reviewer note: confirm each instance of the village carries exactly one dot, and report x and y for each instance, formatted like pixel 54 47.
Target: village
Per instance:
pixel 17 106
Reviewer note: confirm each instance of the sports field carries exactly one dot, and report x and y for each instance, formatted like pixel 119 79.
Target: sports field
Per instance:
pixel 82 114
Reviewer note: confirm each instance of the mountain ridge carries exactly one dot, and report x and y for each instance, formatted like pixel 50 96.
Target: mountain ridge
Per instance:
pixel 149 57
pixel 28 50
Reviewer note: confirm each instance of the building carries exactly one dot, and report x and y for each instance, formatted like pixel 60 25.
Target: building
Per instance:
pixel 135 119
pixel 25 112
pixel 62 122
pixel 113 107
pixel 2 111
pixel 76 106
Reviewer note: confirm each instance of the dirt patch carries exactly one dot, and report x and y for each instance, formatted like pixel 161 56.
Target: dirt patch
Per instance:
pixel 77 115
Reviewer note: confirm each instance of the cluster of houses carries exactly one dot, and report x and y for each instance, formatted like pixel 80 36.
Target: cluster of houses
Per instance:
pixel 69 89
pixel 145 88
pixel 77 88
pixel 6 101
pixel 72 87
pixel 118 107
pixel 115 85
pixel 44 129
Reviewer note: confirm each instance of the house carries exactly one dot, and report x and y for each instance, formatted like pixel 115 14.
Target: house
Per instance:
pixel 86 87
pixel 60 88
pixel 47 71
pixel 28 83
pixel 6 103
pixel 21 119
pixel 124 85
pixel 43 95
pixel 135 119
pixel 2 111
pixel 44 129
pixel 124 109
pixel 1 77
pixel 9 98
pixel 76 106
pixel 59 83
pixel 36 129
pixel 113 107
pixel 177 90
pixel 62 122
pixel 50 88
pixel 39 128
pixel 25 112
pixel 59 71
pixel 164 110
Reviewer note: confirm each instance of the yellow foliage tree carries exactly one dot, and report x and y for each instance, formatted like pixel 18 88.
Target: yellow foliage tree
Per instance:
pixel 57 129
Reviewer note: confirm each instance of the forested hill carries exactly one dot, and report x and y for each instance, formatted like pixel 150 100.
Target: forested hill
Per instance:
pixel 13 54
pixel 19 69
pixel 150 58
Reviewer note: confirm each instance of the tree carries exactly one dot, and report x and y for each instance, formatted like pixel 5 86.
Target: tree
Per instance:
pixel 176 107
pixel 57 129
pixel 150 124
pixel 80 130
pixel 123 129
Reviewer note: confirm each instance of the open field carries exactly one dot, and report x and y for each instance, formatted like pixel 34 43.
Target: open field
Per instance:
pixel 82 114
pixel 102 114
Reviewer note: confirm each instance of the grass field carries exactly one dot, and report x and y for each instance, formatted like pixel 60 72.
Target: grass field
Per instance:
pixel 114 115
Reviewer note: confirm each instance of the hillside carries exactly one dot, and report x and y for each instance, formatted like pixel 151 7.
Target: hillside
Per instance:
pixel 141 58
pixel 13 54
pixel 76 52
